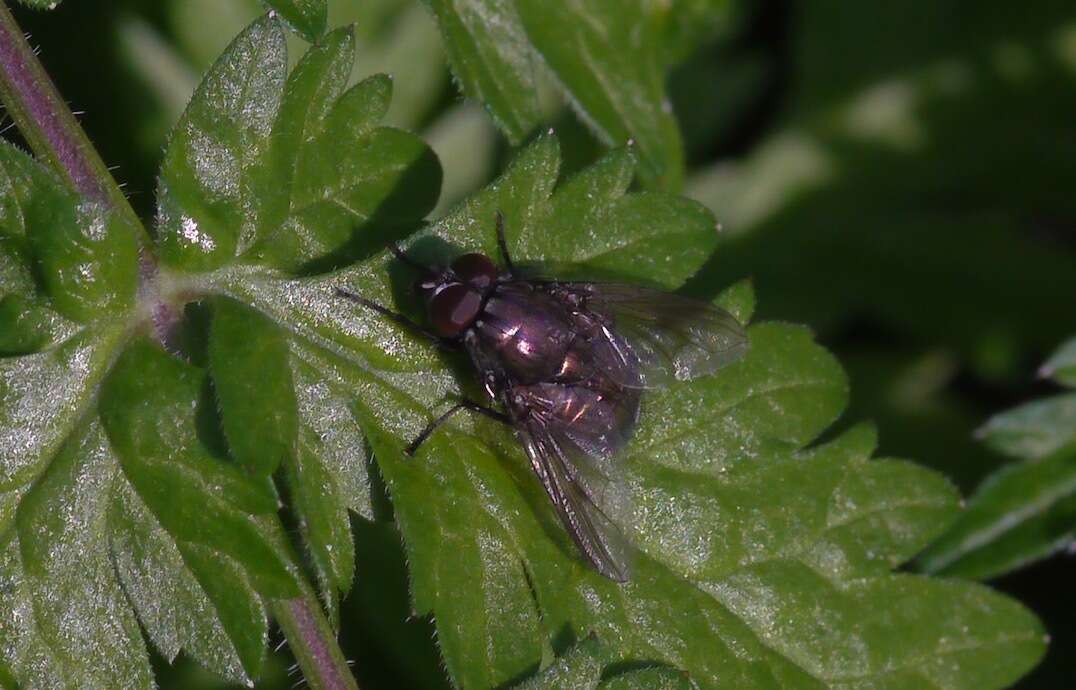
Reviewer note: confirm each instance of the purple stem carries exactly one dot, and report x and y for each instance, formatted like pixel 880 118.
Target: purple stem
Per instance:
pixel 47 124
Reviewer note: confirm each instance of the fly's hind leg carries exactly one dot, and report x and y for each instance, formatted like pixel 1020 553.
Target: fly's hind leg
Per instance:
pixel 461 405
pixel 440 341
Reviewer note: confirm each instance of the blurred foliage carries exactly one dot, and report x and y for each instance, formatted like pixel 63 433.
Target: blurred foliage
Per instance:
pixel 1025 511
pixel 898 175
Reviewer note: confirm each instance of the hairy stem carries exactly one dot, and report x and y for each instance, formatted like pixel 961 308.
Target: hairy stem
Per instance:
pixel 313 643
pixel 47 124
pixel 56 138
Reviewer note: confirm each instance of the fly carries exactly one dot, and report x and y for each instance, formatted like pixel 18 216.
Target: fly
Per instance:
pixel 566 363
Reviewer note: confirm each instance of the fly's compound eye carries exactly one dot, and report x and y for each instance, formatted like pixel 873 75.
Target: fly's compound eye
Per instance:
pixel 454 309
pixel 476 269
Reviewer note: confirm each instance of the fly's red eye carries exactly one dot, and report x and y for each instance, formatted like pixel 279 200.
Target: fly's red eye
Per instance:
pixel 475 269
pixel 454 309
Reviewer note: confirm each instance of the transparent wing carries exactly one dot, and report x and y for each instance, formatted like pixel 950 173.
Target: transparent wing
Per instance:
pixel 652 338
pixel 568 453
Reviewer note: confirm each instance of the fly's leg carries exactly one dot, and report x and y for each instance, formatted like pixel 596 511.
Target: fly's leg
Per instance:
pixel 502 244
pixel 447 343
pixel 461 405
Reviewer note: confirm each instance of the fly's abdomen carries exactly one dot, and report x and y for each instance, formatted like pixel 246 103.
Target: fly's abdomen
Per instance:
pixel 596 422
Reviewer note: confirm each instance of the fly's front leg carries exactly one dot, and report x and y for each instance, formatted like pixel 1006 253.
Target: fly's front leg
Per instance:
pixel 440 341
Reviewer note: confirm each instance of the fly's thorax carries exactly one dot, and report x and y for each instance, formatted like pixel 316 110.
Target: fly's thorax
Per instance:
pixel 527 332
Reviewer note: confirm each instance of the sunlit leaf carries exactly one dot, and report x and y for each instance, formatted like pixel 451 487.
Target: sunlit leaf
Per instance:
pixel 490 55
pixel 607 57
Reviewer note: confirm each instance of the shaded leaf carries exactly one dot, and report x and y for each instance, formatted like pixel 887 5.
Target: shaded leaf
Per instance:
pixel 661 678
pixel 578 669
pixel 248 360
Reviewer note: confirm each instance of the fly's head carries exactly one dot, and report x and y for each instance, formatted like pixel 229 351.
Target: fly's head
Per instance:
pixel 454 296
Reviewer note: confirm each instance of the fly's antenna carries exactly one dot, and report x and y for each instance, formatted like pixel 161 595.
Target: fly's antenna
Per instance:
pixel 502 244
pixel 399 254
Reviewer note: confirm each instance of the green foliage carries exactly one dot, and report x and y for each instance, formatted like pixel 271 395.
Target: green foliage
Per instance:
pixel 138 486
pixel 248 357
pixel 1025 511
pixel 797 526
pixel 306 17
pixel 131 501
pixel 607 57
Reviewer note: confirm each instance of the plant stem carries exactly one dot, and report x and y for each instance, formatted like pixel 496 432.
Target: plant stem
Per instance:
pixel 313 643
pixel 56 138
pixel 48 125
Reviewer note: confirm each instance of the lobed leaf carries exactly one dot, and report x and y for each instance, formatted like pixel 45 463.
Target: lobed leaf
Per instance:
pixel 199 497
pixel 747 539
pixel 216 175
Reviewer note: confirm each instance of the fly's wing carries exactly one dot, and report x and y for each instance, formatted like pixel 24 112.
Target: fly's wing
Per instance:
pixel 651 338
pixel 571 453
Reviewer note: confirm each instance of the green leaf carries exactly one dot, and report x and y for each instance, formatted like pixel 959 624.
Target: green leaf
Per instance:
pixel 41 4
pixel 67 578
pixel 686 24
pixel 738 524
pixel 23 326
pixel 200 498
pixel 85 256
pixel 215 175
pixel 248 360
pixel 1033 430
pixel 344 181
pixel 660 678
pixel 607 55
pixel 323 521
pixel 579 669
pixel 306 17
pixel 1025 511
pixel 1021 514
pixel 67 611
pixel 489 53
pixel 1061 366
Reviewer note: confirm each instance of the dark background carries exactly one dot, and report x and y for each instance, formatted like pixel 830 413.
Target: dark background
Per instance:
pixel 897 175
